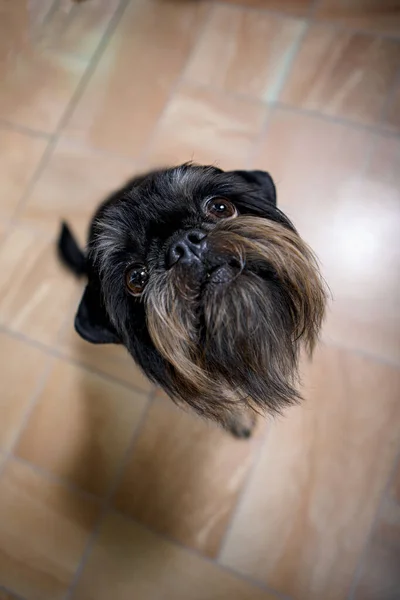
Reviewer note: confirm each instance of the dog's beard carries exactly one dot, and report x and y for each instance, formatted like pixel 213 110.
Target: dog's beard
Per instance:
pixel 239 342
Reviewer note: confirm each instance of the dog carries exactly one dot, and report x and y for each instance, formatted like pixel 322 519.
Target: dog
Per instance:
pixel 207 284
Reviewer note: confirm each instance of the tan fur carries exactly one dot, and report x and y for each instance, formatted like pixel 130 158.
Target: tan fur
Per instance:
pixel 239 313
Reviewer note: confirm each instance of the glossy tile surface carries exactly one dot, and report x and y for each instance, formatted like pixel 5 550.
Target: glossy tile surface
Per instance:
pixel 87 421
pixel 75 29
pixel 184 477
pixel 43 532
pixel 35 293
pixel 75 181
pixel 92 93
pixel 110 359
pixel 37 85
pixel 336 450
pixel 161 569
pixel 21 371
pixel 245 52
pixel 349 213
pixel 206 127
pixel 19 158
pixel 154 36
pixel 342 73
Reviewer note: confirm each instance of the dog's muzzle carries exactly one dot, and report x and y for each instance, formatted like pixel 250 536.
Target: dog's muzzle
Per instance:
pixel 192 250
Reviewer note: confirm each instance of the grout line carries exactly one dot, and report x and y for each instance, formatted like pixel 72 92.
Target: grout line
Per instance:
pixel 195 552
pixel 76 143
pixel 32 403
pixel 94 61
pixel 278 105
pixel 52 11
pixel 358 570
pixel 11 593
pixel 144 155
pixel 289 62
pixel 381 360
pixel 106 504
pixel 357 125
pixel 137 165
pixel 59 354
pixel 53 478
pixel 10 125
pixel 242 494
pixel 76 96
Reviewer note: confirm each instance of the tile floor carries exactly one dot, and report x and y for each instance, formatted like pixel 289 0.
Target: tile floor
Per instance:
pixel 107 491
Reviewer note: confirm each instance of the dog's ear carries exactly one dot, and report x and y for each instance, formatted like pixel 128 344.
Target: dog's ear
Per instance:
pixel 92 322
pixel 263 180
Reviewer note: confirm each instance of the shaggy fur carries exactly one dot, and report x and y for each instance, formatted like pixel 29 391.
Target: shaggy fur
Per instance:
pixel 222 332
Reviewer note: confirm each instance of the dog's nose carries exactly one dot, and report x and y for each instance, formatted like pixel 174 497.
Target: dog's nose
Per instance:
pixel 188 248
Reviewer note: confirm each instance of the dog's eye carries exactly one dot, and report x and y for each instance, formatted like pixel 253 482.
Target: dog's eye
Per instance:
pixel 221 208
pixel 135 279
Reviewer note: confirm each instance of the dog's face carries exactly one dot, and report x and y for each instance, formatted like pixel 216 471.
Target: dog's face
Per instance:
pixel 207 284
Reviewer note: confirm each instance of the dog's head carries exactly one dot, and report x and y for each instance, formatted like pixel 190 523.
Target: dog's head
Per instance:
pixel 207 284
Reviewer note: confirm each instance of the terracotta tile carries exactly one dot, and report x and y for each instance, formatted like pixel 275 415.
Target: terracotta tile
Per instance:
pixel 161 569
pixel 62 25
pixel 309 506
pixel 75 181
pixel 3 228
pixel 208 128
pixel 184 477
pixel 380 575
pixel 20 21
pixel 296 7
pixel 77 28
pixel 17 391
pixel 81 427
pixel 43 533
pixel 37 81
pixel 245 52
pixel 37 86
pixel 364 14
pixel 342 73
pixel 19 158
pixel 113 360
pixel 35 291
pixel 349 217
pixel 151 43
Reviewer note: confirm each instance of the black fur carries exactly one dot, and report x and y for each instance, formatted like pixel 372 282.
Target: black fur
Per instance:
pixel 70 253
pixel 137 224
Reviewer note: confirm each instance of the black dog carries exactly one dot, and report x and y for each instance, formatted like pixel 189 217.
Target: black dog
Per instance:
pixel 207 284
